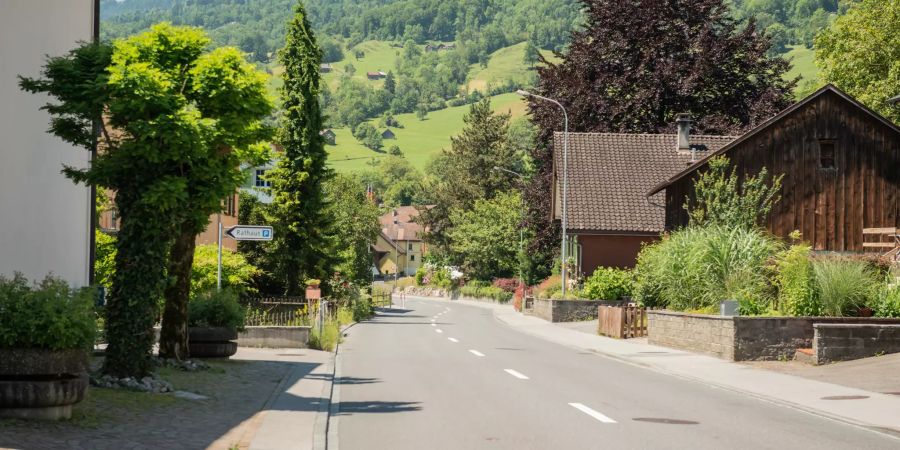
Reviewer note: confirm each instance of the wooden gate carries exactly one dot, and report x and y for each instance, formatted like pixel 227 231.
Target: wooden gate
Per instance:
pixel 622 322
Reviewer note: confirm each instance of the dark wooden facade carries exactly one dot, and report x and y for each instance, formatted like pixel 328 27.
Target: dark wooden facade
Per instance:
pixel 841 166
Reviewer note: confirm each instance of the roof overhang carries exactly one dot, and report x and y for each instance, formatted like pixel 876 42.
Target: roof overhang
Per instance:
pixel 827 88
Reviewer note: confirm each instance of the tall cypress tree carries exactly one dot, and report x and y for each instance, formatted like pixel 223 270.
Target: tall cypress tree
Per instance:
pixel 299 213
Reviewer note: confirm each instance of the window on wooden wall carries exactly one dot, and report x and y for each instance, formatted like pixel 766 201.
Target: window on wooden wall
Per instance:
pixel 826 155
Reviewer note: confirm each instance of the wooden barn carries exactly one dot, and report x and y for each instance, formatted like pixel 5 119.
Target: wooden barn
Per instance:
pixel 841 166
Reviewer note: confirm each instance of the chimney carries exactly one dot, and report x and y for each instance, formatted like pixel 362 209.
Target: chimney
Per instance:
pixel 683 120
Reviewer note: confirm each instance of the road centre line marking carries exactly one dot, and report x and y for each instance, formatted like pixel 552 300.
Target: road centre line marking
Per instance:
pixel 592 413
pixel 439 330
pixel 515 374
pixel 476 353
pixel 452 339
pixel 434 324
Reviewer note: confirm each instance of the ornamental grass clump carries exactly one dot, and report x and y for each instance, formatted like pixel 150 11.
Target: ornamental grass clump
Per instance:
pixel 844 286
pixel 796 281
pixel 47 315
pixel 697 267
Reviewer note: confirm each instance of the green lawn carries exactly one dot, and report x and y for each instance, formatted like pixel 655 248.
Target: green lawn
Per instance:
pixel 419 140
pixel 802 61
pixel 379 56
pixel 505 64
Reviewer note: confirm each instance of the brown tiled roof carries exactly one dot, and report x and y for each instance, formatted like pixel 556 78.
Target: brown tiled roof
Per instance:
pixel 397 224
pixel 611 173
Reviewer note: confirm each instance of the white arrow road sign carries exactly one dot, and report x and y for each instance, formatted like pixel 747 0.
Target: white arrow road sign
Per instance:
pixel 250 233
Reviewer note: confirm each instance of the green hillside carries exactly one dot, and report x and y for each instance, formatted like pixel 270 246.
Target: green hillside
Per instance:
pixel 802 61
pixel 419 140
pixel 504 64
pixel 377 56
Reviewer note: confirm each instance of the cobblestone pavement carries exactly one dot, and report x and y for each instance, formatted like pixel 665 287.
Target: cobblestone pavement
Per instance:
pixel 110 419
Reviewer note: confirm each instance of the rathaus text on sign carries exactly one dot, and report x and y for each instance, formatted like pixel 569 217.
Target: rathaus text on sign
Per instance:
pixel 250 233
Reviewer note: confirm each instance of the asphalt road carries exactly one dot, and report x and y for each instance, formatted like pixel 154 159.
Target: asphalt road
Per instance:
pixel 440 375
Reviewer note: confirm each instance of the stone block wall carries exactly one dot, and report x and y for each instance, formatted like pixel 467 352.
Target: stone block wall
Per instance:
pixel 844 342
pixel 771 338
pixel 568 310
pixel 692 332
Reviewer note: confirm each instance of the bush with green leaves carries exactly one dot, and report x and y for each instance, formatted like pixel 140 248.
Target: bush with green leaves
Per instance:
pixel 697 267
pixel 844 286
pixel 47 315
pixel 237 273
pixel 328 339
pixel 483 289
pixel 796 282
pixel 421 272
pixel 213 308
pixel 608 283
pixel 362 309
pixel 887 303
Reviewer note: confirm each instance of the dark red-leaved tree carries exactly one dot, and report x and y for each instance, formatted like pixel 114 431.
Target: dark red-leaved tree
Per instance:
pixel 637 63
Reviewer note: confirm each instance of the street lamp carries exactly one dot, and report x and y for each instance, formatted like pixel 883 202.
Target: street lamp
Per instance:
pixel 521 229
pixel 565 188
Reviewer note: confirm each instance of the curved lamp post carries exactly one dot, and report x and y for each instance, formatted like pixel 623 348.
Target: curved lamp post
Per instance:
pixel 565 184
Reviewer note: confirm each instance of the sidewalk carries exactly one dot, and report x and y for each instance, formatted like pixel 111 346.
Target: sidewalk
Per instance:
pixel 296 415
pixel 874 410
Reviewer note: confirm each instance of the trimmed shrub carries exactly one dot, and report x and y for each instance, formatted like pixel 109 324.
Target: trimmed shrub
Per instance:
pixel 607 283
pixel 216 309
pixel 507 284
pixel 550 287
pixel 421 272
pixel 47 315
pixel 481 289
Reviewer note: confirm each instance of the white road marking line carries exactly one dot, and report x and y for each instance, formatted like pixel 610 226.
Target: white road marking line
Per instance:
pixel 476 353
pixel 515 374
pixel 452 339
pixel 439 330
pixel 434 324
pixel 433 320
pixel 592 413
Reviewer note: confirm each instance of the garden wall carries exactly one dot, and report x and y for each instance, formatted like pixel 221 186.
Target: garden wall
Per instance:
pixel 741 338
pixel 274 337
pixel 568 310
pixel 844 342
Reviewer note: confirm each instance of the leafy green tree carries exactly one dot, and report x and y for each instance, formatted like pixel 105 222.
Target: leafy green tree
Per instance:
pixel 532 54
pixel 395 150
pixel 723 198
pixel 237 272
pixel 396 182
pixel 486 236
pixel 860 53
pixel 356 226
pixel 390 85
pixel 302 237
pixel 465 173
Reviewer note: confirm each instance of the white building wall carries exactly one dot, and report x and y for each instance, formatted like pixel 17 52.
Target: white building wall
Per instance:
pixel 44 217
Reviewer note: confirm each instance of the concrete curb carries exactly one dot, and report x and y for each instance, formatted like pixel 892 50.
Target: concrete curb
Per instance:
pixel 326 430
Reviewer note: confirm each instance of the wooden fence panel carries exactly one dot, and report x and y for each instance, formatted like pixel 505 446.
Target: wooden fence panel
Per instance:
pixel 622 322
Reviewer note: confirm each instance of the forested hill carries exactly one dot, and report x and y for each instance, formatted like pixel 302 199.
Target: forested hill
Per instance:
pixel 257 25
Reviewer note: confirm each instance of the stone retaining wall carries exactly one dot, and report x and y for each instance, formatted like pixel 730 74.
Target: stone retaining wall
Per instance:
pixel 844 342
pixel 692 332
pixel 741 338
pixel 274 337
pixel 568 310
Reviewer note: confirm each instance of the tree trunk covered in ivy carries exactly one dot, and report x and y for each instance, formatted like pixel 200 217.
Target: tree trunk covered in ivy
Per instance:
pixel 634 66
pixel 303 241
pixel 173 338
pixel 133 304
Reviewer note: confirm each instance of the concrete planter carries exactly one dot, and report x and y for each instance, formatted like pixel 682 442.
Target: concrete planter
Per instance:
pixel 41 384
pixel 274 337
pixel 212 342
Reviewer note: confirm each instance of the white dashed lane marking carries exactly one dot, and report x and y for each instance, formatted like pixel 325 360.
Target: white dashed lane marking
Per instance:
pixel 516 374
pixel 476 353
pixel 439 330
pixel 452 340
pixel 591 413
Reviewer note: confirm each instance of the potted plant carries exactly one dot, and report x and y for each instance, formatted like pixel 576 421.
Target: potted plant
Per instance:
pixel 46 334
pixel 214 319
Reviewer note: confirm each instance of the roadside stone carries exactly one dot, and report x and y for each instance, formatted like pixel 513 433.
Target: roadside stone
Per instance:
pixel 188 365
pixel 151 384
pixel 190 395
